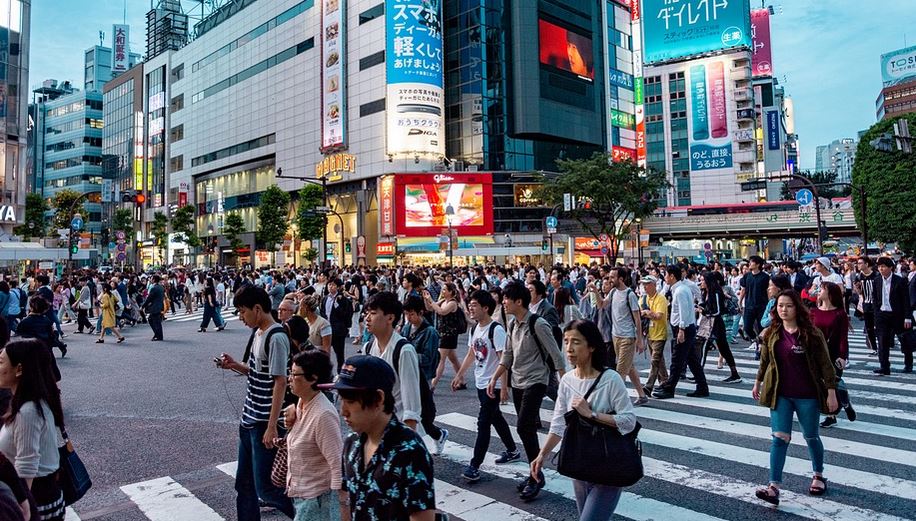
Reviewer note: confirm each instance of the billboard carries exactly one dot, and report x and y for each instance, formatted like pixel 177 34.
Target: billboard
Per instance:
pixel 415 104
pixel 898 66
pixel 772 130
pixel 568 51
pixel 635 19
pixel 422 202
pixel 386 205
pixel 675 29
pixel 762 60
pixel 333 74
pixel 707 104
pixel 120 48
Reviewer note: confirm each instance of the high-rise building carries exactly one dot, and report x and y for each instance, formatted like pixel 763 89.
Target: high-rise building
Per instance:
pixel 166 28
pixel 838 156
pixel 97 66
pixel 15 16
pixel 898 78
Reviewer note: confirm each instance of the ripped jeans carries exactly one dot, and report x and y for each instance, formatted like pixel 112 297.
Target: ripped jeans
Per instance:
pixel 808 412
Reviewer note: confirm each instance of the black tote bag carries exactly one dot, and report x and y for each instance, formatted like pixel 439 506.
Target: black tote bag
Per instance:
pixel 72 476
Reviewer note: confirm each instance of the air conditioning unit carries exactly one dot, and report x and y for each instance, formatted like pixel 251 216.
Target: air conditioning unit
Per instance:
pixel 471 168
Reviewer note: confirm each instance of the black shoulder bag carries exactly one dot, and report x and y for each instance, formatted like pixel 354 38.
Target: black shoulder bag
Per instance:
pixel 597 453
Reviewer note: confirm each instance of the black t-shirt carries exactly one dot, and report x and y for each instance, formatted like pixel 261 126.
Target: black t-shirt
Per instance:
pixel 755 290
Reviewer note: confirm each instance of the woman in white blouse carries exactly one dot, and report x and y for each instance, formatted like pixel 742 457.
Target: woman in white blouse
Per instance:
pixel 609 404
pixel 30 431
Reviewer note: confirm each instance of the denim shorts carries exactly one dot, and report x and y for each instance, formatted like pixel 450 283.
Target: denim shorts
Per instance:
pixel 321 508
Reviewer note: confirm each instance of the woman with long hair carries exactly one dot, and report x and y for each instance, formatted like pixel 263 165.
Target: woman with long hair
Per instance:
pixel 319 328
pixel 108 319
pixel 566 307
pixel 830 317
pixel 448 326
pixel 209 299
pixel 712 308
pixel 31 430
pixel 796 377
pixel 608 404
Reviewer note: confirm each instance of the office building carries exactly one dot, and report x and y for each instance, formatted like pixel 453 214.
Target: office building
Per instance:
pixel 98 66
pixel 898 81
pixel 15 18
pixel 838 156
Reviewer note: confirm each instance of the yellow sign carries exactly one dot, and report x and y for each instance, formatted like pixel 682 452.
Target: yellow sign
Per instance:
pixel 335 165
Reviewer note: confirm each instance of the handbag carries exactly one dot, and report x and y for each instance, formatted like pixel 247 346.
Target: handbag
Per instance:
pixel 72 476
pixel 597 453
pixel 281 466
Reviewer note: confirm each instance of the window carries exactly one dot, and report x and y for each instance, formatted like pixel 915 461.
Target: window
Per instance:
pixel 371 14
pixel 176 164
pixel 372 60
pixel 177 133
pixel 177 73
pixel 177 103
pixel 233 150
pixel 372 107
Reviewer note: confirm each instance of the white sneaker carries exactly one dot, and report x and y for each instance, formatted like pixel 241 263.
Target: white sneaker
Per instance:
pixel 752 347
pixel 440 443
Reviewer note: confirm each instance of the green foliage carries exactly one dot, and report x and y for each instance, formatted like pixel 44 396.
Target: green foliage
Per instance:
pixel 183 227
pixel 159 232
pixel 123 220
pixel 824 182
pixel 888 180
pixel 233 228
pixel 310 254
pixel 273 217
pixel 62 204
pixel 35 223
pixel 617 193
pixel 311 226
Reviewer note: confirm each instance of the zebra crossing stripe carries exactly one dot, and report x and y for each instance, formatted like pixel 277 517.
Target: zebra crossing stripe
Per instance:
pixel 471 505
pixel 883 384
pixel 70 515
pixel 163 499
pixel 859 372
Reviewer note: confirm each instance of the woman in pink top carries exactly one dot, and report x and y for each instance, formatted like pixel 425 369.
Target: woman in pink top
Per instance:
pixel 314 442
pixel 830 317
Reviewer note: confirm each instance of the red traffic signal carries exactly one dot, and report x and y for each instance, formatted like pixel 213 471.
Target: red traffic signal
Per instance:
pixel 140 199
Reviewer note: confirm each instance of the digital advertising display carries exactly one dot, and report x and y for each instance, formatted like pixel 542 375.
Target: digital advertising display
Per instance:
pixel 566 50
pixel 707 103
pixel 762 60
pixel 422 204
pixel 415 107
pixel 674 29
pixel 333 74
pixel 898 66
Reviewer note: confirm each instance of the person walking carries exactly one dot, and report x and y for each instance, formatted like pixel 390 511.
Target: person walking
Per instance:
pixel 154 307
pixel 654 309
pixel 608 404
pixel 865 287
pixel 320 330
pixel 210 305
pixel 833 322
pixel 108 316
pixel 712 308
pixel 450 318
pixel 626 328
pixel 83 304
pixel 337 309
pixel 893 317
pixel 754 296
pixel 684 326
pixel 796 377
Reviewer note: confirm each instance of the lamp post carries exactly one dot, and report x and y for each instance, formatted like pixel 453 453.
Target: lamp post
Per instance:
pixel 638 242
pixel 449 212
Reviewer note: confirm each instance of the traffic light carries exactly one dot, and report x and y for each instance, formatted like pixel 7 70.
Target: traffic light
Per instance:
pixel 140 199
pixel 132 197
pixel 347 247
pixel 545 244
pixel 74 243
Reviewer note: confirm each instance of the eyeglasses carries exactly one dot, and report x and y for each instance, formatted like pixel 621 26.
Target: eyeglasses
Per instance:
pixel 296 374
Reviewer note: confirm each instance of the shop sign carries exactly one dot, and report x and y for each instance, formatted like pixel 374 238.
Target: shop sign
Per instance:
pixel 384 249
pixel 7 214
pixel 333 74
pixel 587 244
pixel 120 36
pixel 386 205
pixel 525 198
pixel 334 166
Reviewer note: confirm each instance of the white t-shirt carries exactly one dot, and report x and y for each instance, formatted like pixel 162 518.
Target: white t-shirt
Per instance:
pixel 485 354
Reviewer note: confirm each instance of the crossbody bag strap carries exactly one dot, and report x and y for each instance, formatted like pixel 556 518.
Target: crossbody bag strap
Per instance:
pixel 594 385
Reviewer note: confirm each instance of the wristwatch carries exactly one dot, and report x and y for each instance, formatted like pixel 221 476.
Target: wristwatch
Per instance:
pixel 594 416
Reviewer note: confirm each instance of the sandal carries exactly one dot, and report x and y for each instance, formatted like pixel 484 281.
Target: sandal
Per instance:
pixel 818 491
pixel 770 494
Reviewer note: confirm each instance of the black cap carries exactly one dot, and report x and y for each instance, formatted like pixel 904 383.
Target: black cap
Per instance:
pixel 364 372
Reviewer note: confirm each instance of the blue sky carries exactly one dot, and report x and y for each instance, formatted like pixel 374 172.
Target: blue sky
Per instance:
pixel 825 52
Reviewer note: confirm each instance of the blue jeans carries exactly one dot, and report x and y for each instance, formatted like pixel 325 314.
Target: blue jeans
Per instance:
pixel 321 508
pixel 252 479
pixel 808 411
pixel 218 316
pixel 595 502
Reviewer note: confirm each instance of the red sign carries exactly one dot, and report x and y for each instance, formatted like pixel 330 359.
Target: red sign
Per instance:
pixel 623 154
pixel 634 10
pixel 718 113
pixel 384 249
pixel 762 62
pixel 386 205
pixel 427 203
pixel 182 199
pixel 587 243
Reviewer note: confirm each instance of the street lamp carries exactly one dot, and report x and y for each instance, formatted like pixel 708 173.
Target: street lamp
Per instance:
pixel 638 241
pixel 449 212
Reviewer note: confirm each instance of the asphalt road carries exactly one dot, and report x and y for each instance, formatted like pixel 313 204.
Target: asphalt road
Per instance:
pixel 156 424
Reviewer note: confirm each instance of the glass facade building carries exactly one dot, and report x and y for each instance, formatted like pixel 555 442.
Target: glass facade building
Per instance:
pixel 14 99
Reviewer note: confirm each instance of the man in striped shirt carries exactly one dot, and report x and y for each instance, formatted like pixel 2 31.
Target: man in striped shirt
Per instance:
pixel 266 369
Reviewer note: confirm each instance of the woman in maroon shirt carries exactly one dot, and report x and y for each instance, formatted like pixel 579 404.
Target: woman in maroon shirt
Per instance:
pixel 830 317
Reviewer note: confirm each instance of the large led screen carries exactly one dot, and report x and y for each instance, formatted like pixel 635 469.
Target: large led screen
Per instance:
pixel 422 202
pixel 565 50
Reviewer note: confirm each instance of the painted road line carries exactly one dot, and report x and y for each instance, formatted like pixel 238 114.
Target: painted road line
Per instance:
pixel 878 382
pixel 229 468
pixel 70 515
pixel 631 506
pixel 163 499
pixel 471 505
pixel 860 372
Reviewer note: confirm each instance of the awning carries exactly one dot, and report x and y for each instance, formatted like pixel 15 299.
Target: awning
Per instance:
pixel 32 251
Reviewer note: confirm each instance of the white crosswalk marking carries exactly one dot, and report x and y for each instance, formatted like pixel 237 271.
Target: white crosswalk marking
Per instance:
pixel 163 499
pixel 471 505
pixel 71 515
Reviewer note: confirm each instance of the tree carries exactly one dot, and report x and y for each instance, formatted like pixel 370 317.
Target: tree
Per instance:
pixel 823 180
pixel 273 217
pixel 310 254
pixel 182 227
pixel 232 229
pixel 123 221
pixel 62 204
pixel 159 233
pixel 311 225
pixel 612 195
pixel 35 223
pixel 887 178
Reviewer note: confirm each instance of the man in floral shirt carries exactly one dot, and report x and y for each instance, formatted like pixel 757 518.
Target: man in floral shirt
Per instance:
pixel 387 469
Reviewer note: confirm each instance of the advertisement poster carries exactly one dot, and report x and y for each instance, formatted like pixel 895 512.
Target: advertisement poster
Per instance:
pixel 762 61
pixel 423 200
pixel 898 66
pixel 333 74
pixel 773 130
pixel 710 145
pixel 638 83
pixel 120 48
pixel 386 205
pixel 566 50
pixel 681 28
pixel 415 99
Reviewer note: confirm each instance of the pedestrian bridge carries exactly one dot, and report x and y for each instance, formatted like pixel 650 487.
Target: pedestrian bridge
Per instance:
pixel 777 223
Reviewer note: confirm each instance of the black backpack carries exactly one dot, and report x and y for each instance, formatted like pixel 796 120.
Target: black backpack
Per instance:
pixel 289 398
pixel 23 303
pixel 431 357
pixel 427 405
pixel 553 383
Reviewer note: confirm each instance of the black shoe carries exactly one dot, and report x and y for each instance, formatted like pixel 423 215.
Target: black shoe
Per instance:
pixel 63 351
pixel 699 393
pixel 663 394
pixel 850 413
pixel 220 328
pixel 882 372
pixel 508 456
pixel 828 422
pixel 532 489
pixel 520 486
pixel 907 370
pixel 733 379
pixel 647 390
pixel 202 330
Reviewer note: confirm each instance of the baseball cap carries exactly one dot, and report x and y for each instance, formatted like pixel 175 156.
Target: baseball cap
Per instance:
pixel 363 372
pixel 825 262
pixel 648 279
